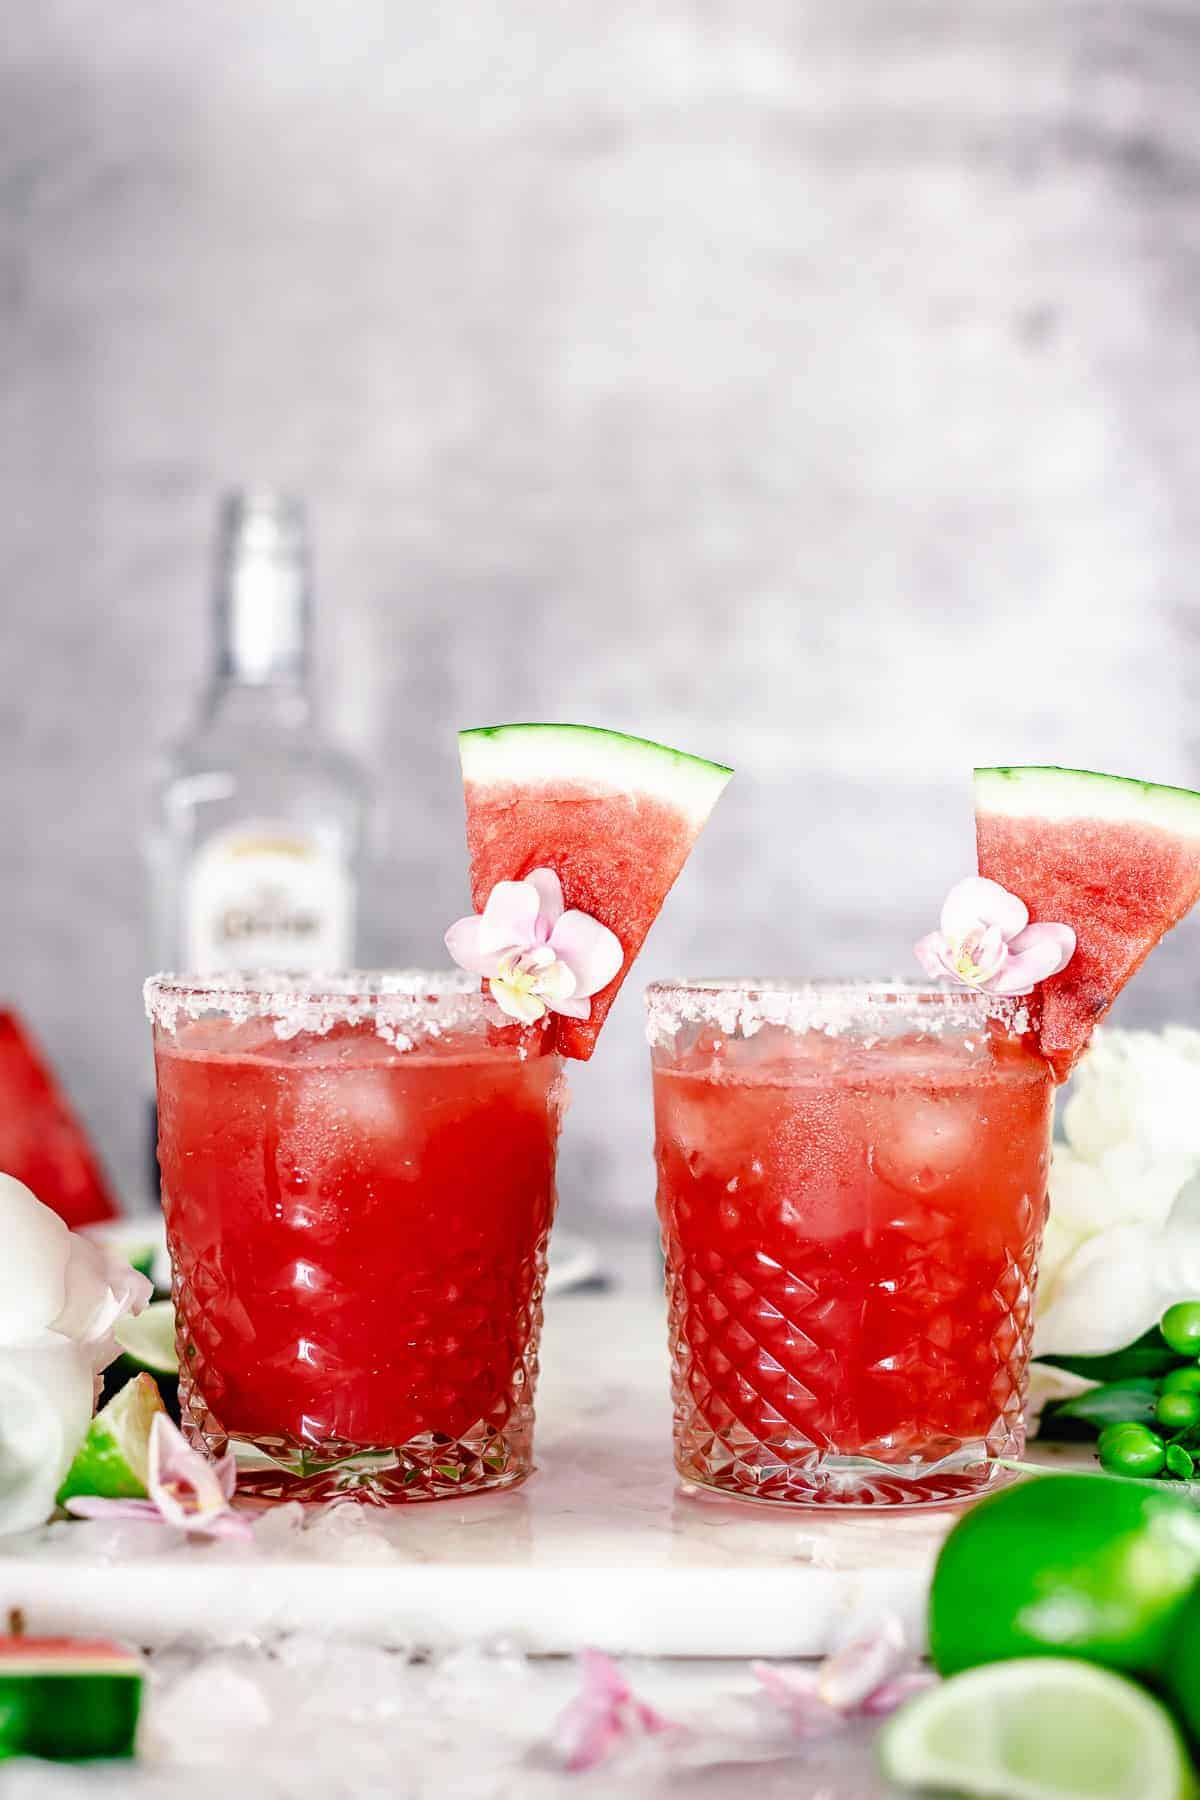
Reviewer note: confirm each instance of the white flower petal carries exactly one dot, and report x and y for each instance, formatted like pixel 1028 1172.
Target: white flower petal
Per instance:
pixel 550 900
pixel 187 1489
pixel 509 919
pixel 100 1289
pixel 47 1392
pixel 572 1009
pixel 33 1263
pixel 555 983
pixel 465 942
pixel 590 950
pixel 516 1001
pixel 977 901
pixel 1107 1294
pixel 933 953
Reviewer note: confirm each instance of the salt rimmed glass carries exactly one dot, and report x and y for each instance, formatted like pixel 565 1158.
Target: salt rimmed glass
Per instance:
pixel 358 1182
pixel 852 1194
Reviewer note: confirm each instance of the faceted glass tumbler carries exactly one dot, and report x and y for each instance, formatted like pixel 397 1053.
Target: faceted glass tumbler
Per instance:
pixel 852 1194
pixel 359 1183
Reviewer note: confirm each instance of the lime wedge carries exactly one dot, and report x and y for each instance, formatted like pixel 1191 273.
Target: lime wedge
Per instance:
pixel 1041 1728
pixel 113 1459
pixel 149 1339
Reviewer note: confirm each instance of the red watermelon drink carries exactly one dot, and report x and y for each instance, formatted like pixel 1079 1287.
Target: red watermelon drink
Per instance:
pixel 852 1191
pixel 358 1182
pixel 852 1183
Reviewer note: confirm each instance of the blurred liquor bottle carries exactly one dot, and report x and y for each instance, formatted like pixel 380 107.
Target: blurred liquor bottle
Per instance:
pixel 257 819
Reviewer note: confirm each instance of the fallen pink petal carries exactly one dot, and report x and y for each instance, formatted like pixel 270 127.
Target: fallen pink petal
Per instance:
pixel 95 1506
pixel 891 1695
pixel 188 1490
pixel 850 1674
pixel 604 1716
pixel 795 1692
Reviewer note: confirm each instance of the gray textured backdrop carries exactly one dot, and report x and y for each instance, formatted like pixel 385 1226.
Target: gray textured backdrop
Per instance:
pixel 813 386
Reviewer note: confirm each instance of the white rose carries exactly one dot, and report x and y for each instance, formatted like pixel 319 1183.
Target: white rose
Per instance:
pixel 60 1296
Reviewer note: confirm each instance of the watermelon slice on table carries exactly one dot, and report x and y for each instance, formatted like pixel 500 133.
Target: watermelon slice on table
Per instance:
pixel 615 817
pixel 42 1141
pixel 1119 860
pixel 68 1699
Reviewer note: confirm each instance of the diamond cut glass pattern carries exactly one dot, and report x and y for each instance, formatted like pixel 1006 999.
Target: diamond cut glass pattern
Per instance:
pixel 358 1223
pixel 851 1220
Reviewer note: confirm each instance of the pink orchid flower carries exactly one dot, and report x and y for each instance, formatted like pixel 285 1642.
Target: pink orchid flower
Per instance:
pixel 185 1490
pixel 866 1678
pixel 987 942
pixel 536 957
pixel 604 1714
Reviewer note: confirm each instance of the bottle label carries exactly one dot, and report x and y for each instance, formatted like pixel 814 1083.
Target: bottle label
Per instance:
pixel 264 896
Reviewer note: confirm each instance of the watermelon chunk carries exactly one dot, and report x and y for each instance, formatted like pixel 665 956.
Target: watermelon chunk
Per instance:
pixel 614 816
pixel 42 1141
pixel 1119 860
pixel 68 1699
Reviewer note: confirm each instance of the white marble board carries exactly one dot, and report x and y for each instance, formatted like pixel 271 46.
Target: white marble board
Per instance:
pixel 601 1547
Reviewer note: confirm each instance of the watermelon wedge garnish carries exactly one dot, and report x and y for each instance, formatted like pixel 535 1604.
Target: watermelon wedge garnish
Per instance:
pixel 67 1698
pixel 1118 860
pixel 615 817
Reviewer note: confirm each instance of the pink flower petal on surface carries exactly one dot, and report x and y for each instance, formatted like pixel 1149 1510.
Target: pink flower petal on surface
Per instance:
pixel 465 942
pixel 850 1674
pixel 226 1474
pixel 94 1506
pixel 590 950
pixel 227 1525
pixel 891 1695
pixel 795 1692
pixel 605 1714
pixel 977 901
pixel 187 1489
pixel 510 917
pixel 550 901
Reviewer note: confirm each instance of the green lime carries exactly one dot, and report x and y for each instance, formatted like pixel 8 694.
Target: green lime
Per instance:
pixel 1180 1462
pixel 1180 1326
pixel 1181 1665
pixel 1127 1448
pixel 1038 1729
pixel 1077 1565
pixel 149 1338
pixel 1182 1381
pixel 113 1459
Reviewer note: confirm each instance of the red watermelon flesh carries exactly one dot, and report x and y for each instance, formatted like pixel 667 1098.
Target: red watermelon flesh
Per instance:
pixel 1118 860
pixel 614 817
pixel 42 1142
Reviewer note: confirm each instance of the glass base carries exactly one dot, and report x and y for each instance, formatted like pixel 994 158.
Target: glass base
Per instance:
pixel 430 1466
pixel 849 1482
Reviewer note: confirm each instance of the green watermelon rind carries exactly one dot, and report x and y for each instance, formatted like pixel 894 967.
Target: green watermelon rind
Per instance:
pixel 1047 792
pixel 69 1702
pixel 608 761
